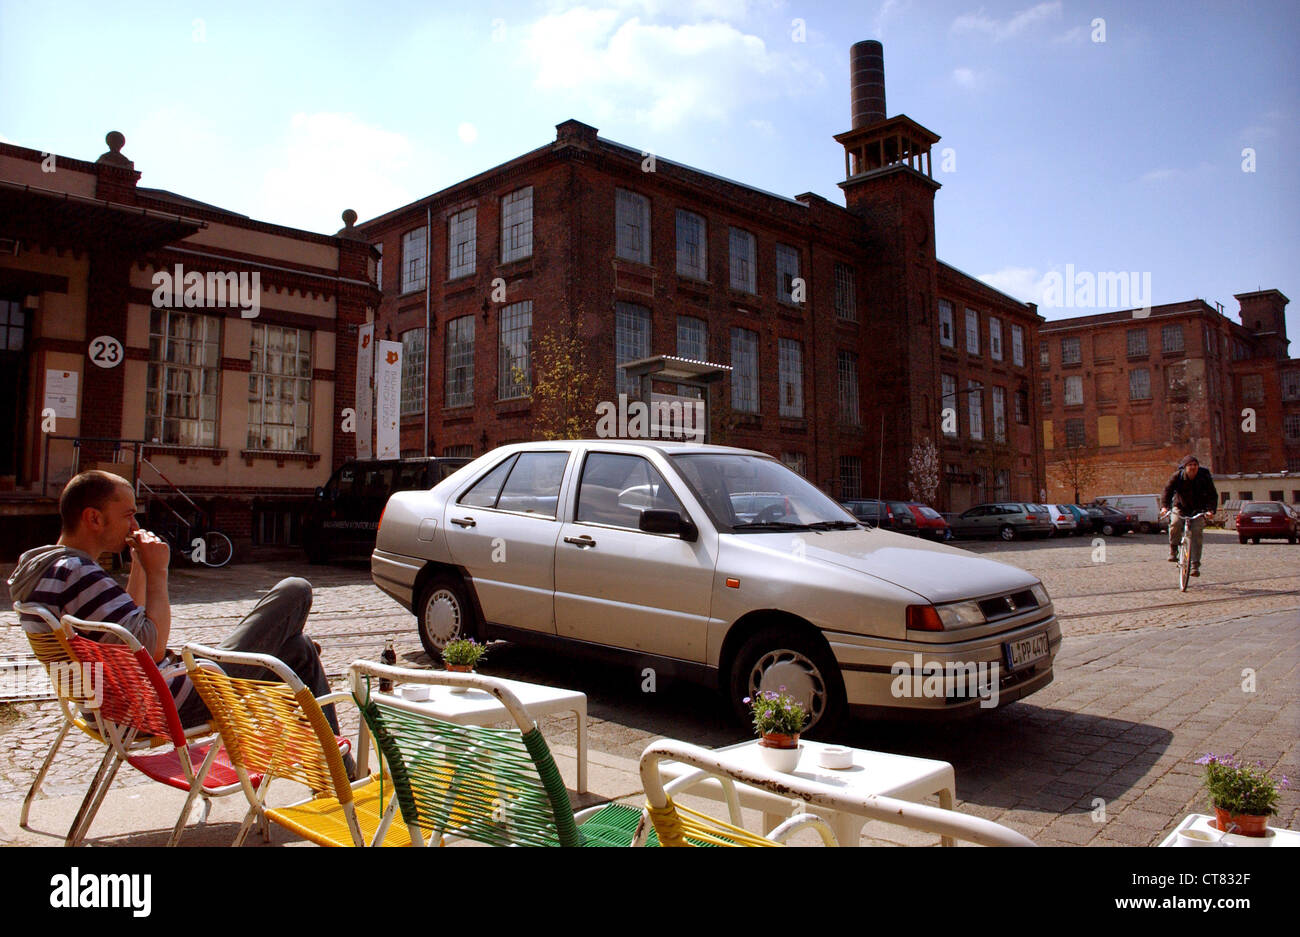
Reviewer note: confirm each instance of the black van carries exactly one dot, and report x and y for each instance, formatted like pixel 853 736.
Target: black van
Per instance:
pixel 343 520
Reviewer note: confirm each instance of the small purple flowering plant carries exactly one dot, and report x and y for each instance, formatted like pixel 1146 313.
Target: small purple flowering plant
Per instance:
pixel 1241 788
pixel 776 711
pixel 463 652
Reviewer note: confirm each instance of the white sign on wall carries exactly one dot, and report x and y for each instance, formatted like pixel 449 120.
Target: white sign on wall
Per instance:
pixel 61 393
pixel 388 399
pixel 365 389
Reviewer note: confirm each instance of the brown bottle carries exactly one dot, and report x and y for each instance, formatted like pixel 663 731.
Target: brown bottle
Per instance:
pixel 389 657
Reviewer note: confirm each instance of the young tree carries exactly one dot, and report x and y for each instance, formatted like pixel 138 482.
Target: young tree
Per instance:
pixel 923 471
pixel 564 389
pixel 1079 468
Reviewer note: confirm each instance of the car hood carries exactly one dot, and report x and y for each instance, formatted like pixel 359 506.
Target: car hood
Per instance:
pixel 934 571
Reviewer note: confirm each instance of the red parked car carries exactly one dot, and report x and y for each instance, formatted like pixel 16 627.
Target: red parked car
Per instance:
pixel 1258 519
pixel 929 522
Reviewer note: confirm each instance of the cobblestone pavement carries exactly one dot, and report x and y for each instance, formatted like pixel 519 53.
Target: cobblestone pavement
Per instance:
pixel 1148 679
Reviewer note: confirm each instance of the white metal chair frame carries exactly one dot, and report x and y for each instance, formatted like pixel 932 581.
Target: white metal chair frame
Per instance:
pixel 871 806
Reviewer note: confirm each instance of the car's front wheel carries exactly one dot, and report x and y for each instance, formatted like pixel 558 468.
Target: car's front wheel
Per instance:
pixel 1008 533
pixel 1108 530
pixel 444 613
pixel 778 657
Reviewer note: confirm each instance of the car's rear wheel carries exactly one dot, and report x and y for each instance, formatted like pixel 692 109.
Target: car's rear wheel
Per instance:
pixel 1108 530
pixel 775 657
pixel 444 614
pixel 1008 533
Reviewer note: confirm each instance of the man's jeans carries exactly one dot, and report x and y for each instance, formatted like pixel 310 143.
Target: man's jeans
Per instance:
pixel 273 627
pixel 1176 522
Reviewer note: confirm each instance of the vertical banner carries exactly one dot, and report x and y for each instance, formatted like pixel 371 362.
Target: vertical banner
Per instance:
pixel 365 389
pixel 388 398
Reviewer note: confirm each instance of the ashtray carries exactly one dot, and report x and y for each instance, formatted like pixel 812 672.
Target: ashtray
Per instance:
pixel 415 692
pixel 836 757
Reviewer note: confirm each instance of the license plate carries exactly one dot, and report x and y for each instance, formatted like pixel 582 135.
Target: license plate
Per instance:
pixel 1026 650
pixel 1261 520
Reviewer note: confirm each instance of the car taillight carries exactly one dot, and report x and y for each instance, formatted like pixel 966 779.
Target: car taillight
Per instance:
pixel 381 517
pixel 923 618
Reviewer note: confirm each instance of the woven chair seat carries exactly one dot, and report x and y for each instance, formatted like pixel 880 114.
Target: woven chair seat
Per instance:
pixel 166 768
pixel 323 821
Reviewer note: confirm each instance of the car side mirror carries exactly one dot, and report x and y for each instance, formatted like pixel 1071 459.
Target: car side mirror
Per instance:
pixel 668 522
pixel 320 493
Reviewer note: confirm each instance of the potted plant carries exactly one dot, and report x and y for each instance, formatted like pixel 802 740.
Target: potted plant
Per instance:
pixel 778 720
pixel 1241 794
pixel 462 656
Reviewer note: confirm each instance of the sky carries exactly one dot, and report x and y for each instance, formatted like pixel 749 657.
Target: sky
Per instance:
pixel 1085 137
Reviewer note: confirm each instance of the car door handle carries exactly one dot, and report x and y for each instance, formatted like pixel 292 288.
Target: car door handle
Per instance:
pixel 583 541
pixel 464 522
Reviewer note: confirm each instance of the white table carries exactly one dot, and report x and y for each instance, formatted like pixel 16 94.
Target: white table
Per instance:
pixel 900 776
pixel 1199 821
pixel 480 708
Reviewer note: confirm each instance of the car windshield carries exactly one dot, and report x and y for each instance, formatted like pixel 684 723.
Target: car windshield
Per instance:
pixel 751 493
pixel 1264 508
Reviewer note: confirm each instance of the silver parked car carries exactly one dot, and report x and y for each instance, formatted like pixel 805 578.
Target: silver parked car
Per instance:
pixel 713 563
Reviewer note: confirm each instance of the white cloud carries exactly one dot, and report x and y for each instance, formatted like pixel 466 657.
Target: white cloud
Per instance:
pixel 964 77
pixel 326 162
pixel 1024 283
pixel 1071 35
pixel 1177 173
pixel 664 75
pixel 887 11
pixel 999 30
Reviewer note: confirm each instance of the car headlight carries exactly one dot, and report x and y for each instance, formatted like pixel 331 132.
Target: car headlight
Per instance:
pixel 1040 594
pixel 960 615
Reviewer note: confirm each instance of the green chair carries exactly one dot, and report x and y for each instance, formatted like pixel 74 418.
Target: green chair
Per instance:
pixel 498 786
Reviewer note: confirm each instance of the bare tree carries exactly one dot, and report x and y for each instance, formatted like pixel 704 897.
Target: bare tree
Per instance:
pixel 1078 466
pixel 923 471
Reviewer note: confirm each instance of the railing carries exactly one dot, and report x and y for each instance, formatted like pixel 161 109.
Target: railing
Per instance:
pixel 138 460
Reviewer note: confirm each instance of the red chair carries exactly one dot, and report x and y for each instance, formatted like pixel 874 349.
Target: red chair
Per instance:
pixel 130 701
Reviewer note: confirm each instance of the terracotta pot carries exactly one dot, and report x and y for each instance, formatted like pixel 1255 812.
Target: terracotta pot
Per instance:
pixel 460 668
pixel 779 740
pixel 1248 824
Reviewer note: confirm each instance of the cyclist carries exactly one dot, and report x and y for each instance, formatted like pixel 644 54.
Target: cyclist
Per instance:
pixel 1190 491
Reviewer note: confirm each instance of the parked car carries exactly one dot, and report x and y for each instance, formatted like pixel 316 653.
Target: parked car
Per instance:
pixel 1005 519
pixel 345 516
pixel 1063 521
pixel 633 551
pixel 1144 508
pixel 1110 522
pixel 891 515
pixel 1265 519
pixel 1082 519
pixel 929 522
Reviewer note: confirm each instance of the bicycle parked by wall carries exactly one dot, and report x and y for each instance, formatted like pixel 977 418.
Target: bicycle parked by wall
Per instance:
pixel 191 534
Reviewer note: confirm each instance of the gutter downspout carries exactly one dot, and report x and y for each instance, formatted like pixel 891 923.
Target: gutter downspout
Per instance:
pixel 428 285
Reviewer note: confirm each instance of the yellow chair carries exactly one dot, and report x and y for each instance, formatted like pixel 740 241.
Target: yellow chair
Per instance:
pixel 279 731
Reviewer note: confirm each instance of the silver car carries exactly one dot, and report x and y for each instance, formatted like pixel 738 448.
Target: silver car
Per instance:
pixel 638 551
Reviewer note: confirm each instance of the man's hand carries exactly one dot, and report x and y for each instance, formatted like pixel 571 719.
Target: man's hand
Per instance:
pixel 150 550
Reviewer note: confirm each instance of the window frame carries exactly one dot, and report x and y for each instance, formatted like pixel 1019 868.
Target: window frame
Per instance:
pixel 692 223
pixel 508 388
pixel 790 377
pixel 258 369
pixel 157 390
pixel 458 362
pixel 517 224
pixel 462 243
pixel 415 272
pixel 631 226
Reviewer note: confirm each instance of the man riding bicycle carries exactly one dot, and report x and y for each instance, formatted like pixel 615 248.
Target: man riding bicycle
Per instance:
pixel 1190 492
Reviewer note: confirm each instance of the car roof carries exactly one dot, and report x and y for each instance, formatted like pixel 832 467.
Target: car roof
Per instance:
pixel 663 446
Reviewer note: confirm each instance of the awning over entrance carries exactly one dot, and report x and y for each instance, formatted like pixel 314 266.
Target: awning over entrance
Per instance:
pixel 60 219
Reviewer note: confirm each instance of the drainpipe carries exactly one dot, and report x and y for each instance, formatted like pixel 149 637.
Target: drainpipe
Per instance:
pixel 428 286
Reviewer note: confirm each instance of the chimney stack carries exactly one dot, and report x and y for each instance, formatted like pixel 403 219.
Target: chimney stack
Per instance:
pixel 867 80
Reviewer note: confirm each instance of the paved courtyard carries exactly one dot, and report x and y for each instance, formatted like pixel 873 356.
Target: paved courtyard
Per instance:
pixel 1148 679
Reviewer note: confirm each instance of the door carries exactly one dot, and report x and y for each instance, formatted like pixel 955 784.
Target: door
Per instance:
pixel 13 373
pixel 619 586
pixel 503 530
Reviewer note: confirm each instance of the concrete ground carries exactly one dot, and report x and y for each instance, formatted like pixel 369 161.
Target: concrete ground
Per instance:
pixel 1147 680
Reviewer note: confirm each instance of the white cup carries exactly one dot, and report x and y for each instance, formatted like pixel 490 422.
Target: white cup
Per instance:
pixel 1197 838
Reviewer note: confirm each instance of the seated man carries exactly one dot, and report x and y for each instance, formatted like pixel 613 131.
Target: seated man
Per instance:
pixel 97 511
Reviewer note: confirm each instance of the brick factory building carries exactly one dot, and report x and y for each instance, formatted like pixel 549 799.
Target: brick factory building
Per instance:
pixel 846 337
pixel 230 384
pixel 1130 394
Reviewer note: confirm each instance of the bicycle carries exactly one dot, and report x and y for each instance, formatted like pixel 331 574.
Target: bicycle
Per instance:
pixel 195 540
pixel 1185 549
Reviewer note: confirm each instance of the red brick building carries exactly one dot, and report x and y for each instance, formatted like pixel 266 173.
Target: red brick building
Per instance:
pixel 230 385
pixel 1129 394
pixel 832 318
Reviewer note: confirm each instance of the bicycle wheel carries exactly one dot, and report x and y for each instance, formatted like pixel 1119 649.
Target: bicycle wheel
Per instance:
pixel 1184 567
pixel 217 549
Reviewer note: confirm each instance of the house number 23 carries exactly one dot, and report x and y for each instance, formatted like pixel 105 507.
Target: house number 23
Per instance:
pixel 106 351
